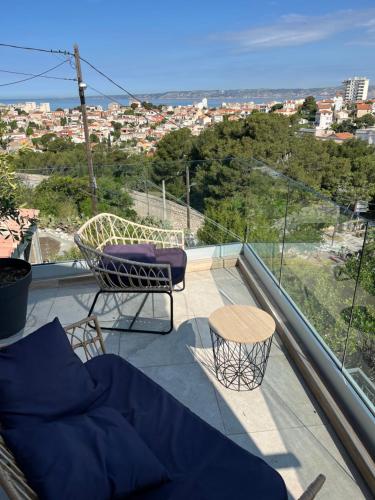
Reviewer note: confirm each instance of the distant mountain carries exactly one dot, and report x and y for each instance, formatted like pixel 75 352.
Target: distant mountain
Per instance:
pixel 248 93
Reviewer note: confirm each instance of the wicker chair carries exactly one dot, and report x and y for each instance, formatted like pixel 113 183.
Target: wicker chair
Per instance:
pixel 119 275
pixel 85 337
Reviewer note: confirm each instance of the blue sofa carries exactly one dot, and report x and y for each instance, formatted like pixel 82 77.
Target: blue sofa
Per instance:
pixel 202 463
pixel 102 429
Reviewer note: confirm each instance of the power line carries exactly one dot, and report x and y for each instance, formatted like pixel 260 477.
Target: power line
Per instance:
pixel 67 53
pixel 34 76
pixel 111 99
pixel 120 167
pixel 104 95
pixel 127 91
pixel 50 51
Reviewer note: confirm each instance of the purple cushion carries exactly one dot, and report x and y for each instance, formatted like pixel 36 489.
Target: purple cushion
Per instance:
pixel 177 258
pixel 142 252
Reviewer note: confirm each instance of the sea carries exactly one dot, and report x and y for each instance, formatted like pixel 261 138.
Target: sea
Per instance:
pixel 72 102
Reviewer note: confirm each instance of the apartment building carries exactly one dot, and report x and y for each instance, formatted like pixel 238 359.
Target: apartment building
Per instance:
pixel 356 88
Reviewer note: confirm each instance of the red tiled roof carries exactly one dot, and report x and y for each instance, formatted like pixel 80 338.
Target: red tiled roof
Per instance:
pixel 344 135
pixel 8 245
pixel 324 105
pixel 362 106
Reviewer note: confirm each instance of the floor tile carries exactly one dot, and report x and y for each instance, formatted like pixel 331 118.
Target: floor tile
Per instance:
pixel 283 383
pixel 204 298
pixel 300 457
pixel 72 304
pixel 39 305
pixel 230 285
pixel 252 411
pixel 144 349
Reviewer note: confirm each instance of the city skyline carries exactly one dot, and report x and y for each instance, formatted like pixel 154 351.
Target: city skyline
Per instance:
pixel 156 49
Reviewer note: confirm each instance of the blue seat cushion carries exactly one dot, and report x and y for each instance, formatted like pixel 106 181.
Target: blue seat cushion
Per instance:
pixel 202 463
pixel 41 378
pixel 143 252
pixel 95 456
pixel 177 259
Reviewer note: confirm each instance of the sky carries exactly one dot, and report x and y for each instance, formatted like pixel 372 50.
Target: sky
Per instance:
pixel 160 45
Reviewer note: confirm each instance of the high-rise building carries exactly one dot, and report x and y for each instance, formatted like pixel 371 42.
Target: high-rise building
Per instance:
pixel 29 106
pixel 44 107
pixel 356 88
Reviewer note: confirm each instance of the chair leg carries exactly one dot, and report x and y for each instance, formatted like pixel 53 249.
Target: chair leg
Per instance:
pixel 170 314
pixel 94 302
pixel 131 329
pixel 139 311
pixel 180 289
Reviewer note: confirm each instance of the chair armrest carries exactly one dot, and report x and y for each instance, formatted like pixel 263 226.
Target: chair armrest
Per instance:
pixel 86 335
pixel 12 479
pixel 113 272
pixel 314 488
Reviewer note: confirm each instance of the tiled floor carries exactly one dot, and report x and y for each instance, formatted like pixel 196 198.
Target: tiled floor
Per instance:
pixel 279 421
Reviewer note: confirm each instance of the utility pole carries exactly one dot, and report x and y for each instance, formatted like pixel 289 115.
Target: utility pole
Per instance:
pixel 164 202
pixel 81 91
pixel 147 198
pixel 188 196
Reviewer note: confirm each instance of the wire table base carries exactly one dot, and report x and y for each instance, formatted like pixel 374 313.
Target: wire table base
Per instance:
pixel 240 366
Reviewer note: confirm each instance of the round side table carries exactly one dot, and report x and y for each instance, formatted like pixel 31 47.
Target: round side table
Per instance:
pixel 241 342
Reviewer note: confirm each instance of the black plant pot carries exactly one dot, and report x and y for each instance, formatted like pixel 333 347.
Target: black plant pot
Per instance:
pixel 13 297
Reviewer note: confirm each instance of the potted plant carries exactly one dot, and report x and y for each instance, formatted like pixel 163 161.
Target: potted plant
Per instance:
pixel 15 274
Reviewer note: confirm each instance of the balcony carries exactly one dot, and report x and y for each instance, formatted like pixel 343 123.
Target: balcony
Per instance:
pixel 280 421
pixel 303 258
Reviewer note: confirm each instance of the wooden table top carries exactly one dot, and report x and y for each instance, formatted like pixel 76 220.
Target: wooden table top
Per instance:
pixel 243 324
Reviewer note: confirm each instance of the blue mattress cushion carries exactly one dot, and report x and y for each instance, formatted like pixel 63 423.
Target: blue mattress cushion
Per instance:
pixel 202 463
pixel 41 378
pixel 95 456
pixel 139 252
pixel 177 259
pixel 133 273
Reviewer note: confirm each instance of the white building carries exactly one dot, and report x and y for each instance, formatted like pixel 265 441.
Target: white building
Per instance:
pixel 323 119
pixel 338 102
pixel 44 107
pixel 29 106
pixel 356 88
pixel 203 104
pixel 366 134
pixel 113 106
pixel 218 118
pixel 341 115
pixel 290 105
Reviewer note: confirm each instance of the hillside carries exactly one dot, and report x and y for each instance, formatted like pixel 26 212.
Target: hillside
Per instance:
pixel 249 93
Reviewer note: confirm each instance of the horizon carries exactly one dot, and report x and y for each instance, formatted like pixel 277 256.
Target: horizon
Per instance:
pixel 244 47
pixel 75 96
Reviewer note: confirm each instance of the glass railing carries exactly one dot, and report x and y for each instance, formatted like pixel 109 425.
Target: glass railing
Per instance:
pixel 323 257
pixel 140 200
pixel 320 254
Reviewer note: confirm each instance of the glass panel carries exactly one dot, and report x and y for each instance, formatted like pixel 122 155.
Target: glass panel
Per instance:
pixel 360 351
pixel 319 240
pixel 266 202
pixel 64 204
